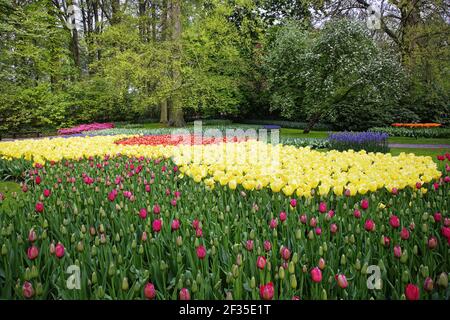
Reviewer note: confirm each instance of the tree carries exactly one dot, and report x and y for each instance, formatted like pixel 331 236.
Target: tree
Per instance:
pixel 325 74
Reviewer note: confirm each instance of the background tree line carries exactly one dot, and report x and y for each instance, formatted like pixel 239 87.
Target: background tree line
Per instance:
pixel 305 60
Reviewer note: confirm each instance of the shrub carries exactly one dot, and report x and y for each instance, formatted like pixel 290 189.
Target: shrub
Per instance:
pixel 414 132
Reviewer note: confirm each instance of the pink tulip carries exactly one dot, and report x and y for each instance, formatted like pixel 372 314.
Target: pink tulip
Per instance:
pixel 184 294
pixel 316 275
pixel 341 281
pixel 267 245
pixel 283 216
pixel 27 290
pixel 156 225
pixel 149 291
pixel 59 250
pixel 175 224
pixel 394 221
pixel 201 252
pixel 143 213
pixel 261 262
pixel 322 207
pixel 364 204
pixel 32 252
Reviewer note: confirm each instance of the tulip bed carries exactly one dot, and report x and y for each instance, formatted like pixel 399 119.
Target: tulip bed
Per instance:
pixel 150 223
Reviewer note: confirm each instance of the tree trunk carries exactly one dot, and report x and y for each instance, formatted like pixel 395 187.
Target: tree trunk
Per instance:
pixel 163 105
pixel 176 112
pixel 312 122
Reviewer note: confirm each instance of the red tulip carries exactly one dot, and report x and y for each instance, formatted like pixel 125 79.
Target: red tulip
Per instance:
pixel 156 225
pixel 432 243
pixel 364 204
pixel 303 218
pixel 195 224
pixel 387 241
pixel 249 245
pixel 143 213
pixel 184 294
pixel 437 217
pixel 412 292
pixel 333 228
pixel 201 252
pixel 47 193
pixel 32 252
pixel 59 250
pixel 273 223
pixel 261 262
pixel 38 180
pixel 394 221
pixel 27 290
pixel 404 234
pixel 369 225
pixel 316 275
pixel 293 203
pixel 32 235
pixel 266 291
pixel 428 284
pixel 445 231
pixel 397 251
pixel 418 185
pixel 39 207
pixel 341 281
pixel 285 253
pixel 322 207
pixel 175 224
pixel 267 245
pixel 149 291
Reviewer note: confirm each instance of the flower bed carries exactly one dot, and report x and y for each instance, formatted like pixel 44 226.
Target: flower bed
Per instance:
pixel 174 140
pixel 415 132
pixel 256 222
pixel 85 127
pixel 137 230
pixel 416 125
pixel 369 141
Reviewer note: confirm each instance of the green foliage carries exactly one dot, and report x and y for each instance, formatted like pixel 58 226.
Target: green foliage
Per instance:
pixel 414 132
pixel 337 73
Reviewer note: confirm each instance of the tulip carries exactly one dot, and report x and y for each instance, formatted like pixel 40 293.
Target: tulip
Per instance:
pixel 364 204
pixel 266 291
pixel 386 241
pixel 316 275
pixel 357 213
pixel 428 284
pixel 322 263
pixel 397 251
pixel 283 216
pixel 318 231
pixel 267 245
pixel 273 223
pixel 38 180
pixel 293 203
pixel 313 222
pixel 195 224
pixel 201 252
pixel 39 207
pixel 249 245
pixel 47 193
pixel 404 234
pixel 32 236
pixel 322 207
pixel 303 218
pixel 27 290
pixel 412 292
pixel 143 213
pixel 333 228
pixel 261 262
pixel 199 232
pixel 437 217
pixel 32 252
pixel 432 243
pixel 175 224
pixel 341 281
pixel 59 250
pixel 156 209
pixel 443 280
pixel 285 253
pixel 369 225
pixel 156 225
pixel 295 298
pixel 184 294
pixel 394 221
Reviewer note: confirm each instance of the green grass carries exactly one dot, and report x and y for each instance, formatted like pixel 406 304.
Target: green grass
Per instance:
pixel 407 140
pixel 298 133
pixel 420 152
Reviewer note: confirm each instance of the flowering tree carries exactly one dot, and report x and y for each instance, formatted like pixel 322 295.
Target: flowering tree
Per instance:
pixel 334 74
